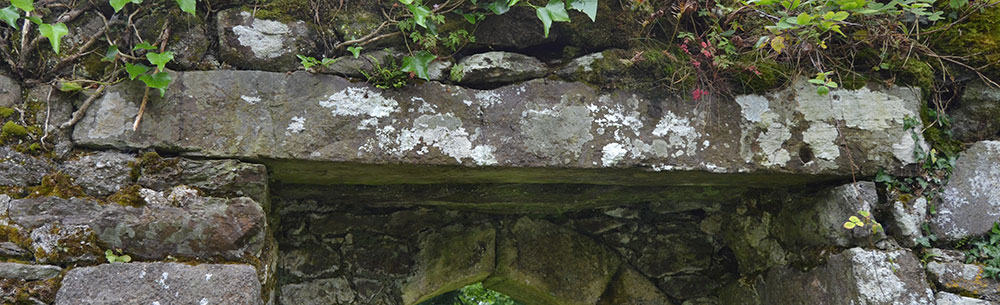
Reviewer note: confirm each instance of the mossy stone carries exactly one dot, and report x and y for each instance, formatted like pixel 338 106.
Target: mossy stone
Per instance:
pixel 977 38
pixel 11 130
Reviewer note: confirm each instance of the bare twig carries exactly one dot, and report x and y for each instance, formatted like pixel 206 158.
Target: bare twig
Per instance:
pixel 48 111
pixel 164 35
pixel 79 113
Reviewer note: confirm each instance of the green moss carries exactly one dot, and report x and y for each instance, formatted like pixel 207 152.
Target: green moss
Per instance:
pixel 758 75
pixel 977 38
pixel 57 185
pixel 6 112
pixel 645 68
pixel 150 162
pixel 914 72
pixel 128 196
pixel 11 130
pixel 13 235
pixel 286 10
pixel 939 139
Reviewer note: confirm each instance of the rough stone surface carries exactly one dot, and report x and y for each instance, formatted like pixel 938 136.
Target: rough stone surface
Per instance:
pixel 977 114
pixel 28 272
pixel 449 260
pixel 966 279
pixel 100 174
pixel 908 217
pixel 819 219
pixel 854 276
pixel 261 44
pixel 582 64
pixel 541 263
pixel 500 67
pixel 632 288
pixel 536 124
pixel 189 37
pixel 216 178
pixel 519 28
pixel 367 61
pixel 970 203
pixel 10 92
pixel 160 283
pixel 945 298
pixel 197 227
pixel 319 292
pixel 17 169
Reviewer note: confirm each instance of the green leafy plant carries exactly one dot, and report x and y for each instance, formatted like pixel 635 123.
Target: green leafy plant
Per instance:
pixel 389 76
pixel 355 50
pixel 117 258
pixel 823 83
pixel 417 64
pixel 986 251
pixel 309 62
pixel 866 219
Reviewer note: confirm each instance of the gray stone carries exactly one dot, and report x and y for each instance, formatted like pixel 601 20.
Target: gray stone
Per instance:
pixel 189 40
pixel 440 70
pixel 27 272
pixel 970 203
pixel 260 44
pixel 818 219
pixel 450 259
pixel 748 234
pixel 100 174
pixel 541 263
pixel 908 217
pixel 9 249
pixel 535 128
pixel 517 29
pixel 945 255
pixel 632 288
pixel 17 169
pixel 500 67
pixel 350 66
pixel 582 64
pixel 854 276
pixel 160 283
pixel 10 92
pixel 967 279
pixel 56 107
pixel 205 228
pixel 332 291
pixel 359 18
pixel 945 298
pixel 976 116
pixel 215 178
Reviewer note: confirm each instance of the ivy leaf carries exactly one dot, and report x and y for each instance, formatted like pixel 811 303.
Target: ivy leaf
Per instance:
pixel 54 32
pixel 355 50
pixel 159 81
pixel 135 70
pixel 144 46
pixel 554 11
pixel 9 15
pixel 70 86
pixel 588 7
pixel 24 5
pixel 35 20
pixel 512 2
pixel 498 7
pixel 420 14
pixel 778 44
pixel 848 225
pixel 188 6
pixel 160 59
pixel 418 63
pixel 326 62
pixel 117 5
pixel 803 19
pixel 822 90
pixel 111 54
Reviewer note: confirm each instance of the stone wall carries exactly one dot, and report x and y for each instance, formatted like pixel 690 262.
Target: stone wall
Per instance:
pixel 267 185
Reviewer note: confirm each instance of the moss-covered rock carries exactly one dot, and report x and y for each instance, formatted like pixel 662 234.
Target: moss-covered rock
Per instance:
pixel 57 185
pixel 128 196
pixel 977 38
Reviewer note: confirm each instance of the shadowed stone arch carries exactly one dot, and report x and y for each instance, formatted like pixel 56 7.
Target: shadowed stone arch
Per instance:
pixel 533 261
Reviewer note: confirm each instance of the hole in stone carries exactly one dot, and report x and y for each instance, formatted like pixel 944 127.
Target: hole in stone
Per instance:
pixel 474 294
pixel 805 154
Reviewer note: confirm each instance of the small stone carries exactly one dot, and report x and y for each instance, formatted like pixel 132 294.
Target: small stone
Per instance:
pixel 945 298
pixel 449 259
pixel 17 169
pixel 582 64
pixel 908 218
pixel 819 219
pixel 976 116
pixel 100 174
pixel 499 68
pixel 350 66
pixel 440 70
pixel 632 288
pixel 970 203
pixel 260 44
pixel 28 272
pixel 319 292
pixel 967 279
pixel 10 92
pixel 160 283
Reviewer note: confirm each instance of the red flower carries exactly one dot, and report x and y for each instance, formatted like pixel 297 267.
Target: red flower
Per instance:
pixel 698 93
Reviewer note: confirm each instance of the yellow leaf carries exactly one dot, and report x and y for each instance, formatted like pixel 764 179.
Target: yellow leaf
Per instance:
pixel 778 44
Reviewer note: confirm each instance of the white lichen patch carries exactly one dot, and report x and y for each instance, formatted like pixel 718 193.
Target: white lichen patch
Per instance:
pixel 557 133
pixel 822 140
pixel 612 154
pixel 252 100
pixel 877 279
pixel 441 131
pixel 487 98
pixel 297 125
pixel 771 141
pixel 265 38
pixel 862 108
pixel 752 106
pixel 616 118
pixel 680 133
pixel 357 101
pixel 904 149
pixel 112 117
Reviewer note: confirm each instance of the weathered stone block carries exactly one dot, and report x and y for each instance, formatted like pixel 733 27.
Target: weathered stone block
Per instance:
pixel 530 128
pixel 541 263
pixel 160 283
pixel 100 174
pixel 944 298
pixel 17 169
pixel 966 279
pixel 28 272
pixel 632 288
pixel 970 203
pixel 854 276
pixel 976 116
pixel 449 259
pixel 818 219
pixel 10 91
pixel 260 44
pixel 500 67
